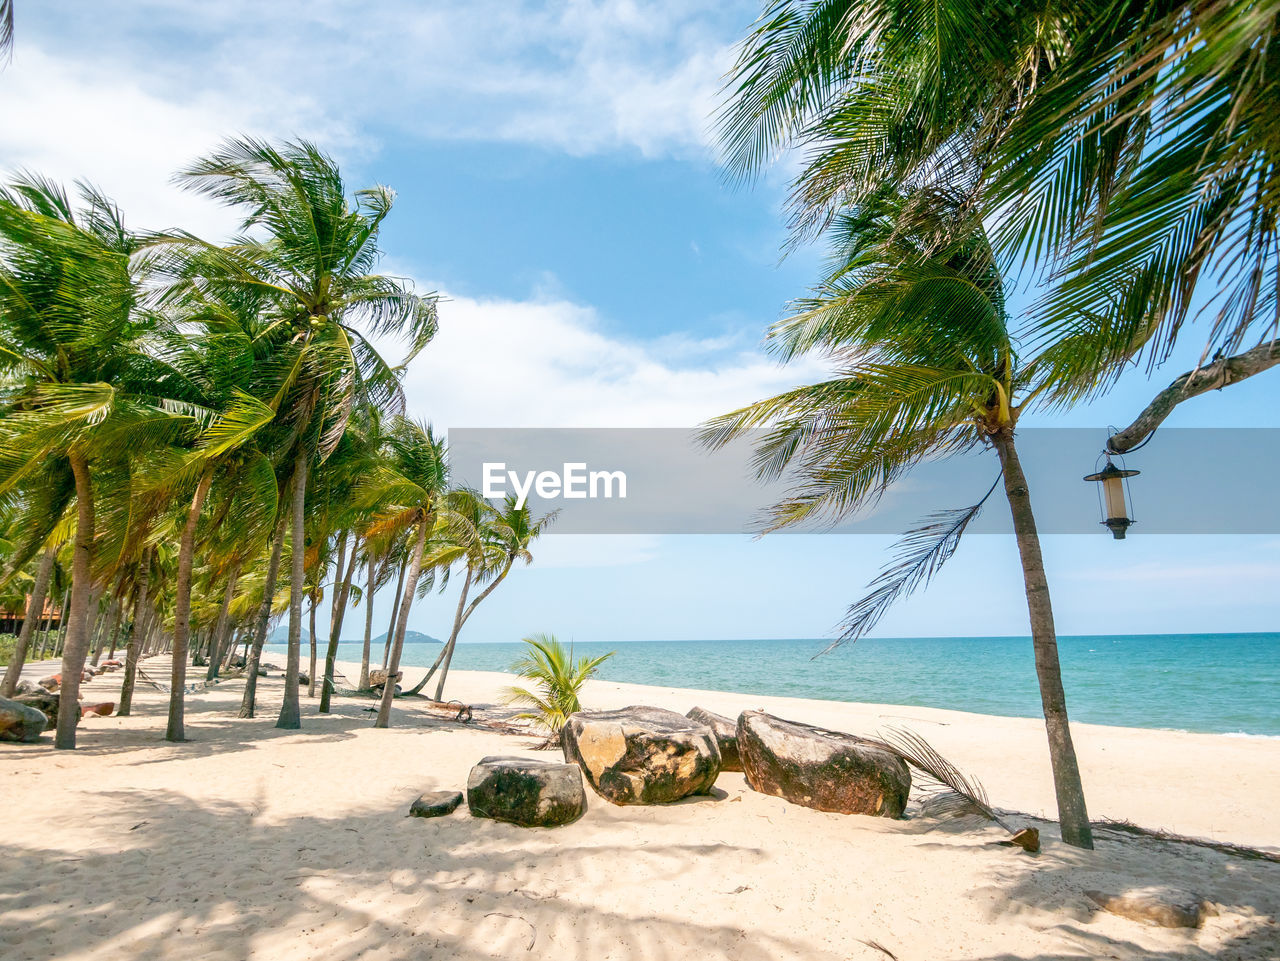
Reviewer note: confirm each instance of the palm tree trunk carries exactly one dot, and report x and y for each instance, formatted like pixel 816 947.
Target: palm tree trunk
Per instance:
pixel 457 628
pixel 339 614
pixel 64 620
pixel 247 704
pixel 290 718
pixel 368 625
pixel 221 638
pixel 1072 814
pixel 182 612
pixel 395 612
pixel 76 646
pixel 411 587
pixel 137 637
pixel 311 672
pixel 107 629
pixel 35 608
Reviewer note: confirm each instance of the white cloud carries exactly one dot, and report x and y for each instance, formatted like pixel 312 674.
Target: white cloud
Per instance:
pixel 503 363
pixel 577 76
pixel 78 118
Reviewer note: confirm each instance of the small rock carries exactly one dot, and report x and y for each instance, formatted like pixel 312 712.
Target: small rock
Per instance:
pixel 642 755
pixel 435 804
pixel 20 722
pixel 51 683
pixel 1163 906
pixel 726 732
pixel 27 687
pixel 102 710
pixel 821 769
pixel 531 793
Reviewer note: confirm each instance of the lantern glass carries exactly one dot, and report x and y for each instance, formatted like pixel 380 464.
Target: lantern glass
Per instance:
pixel 1113 491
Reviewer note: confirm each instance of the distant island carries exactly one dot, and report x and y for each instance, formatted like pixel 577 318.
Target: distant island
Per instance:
pixel 410 637
pixel 281 636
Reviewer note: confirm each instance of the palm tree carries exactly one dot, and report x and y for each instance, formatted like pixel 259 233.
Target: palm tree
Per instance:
pixel 75 347
pixel 314 265
pixel 34 607
pixel 409 491
pixel 559 680
pixel 1128 151
pixel 488 541
pixel 505 535
pixel 913 315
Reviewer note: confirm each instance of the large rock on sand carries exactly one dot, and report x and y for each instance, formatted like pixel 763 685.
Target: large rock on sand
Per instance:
pixel 531 793
pixel 642 755
pixel 726 732
pixel 378 678
pixel 821 769
pixel 44 701
pixel 20 722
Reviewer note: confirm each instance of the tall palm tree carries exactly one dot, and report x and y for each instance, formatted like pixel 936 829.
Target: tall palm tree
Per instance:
pixel 311 252
pixel 913 316
pixel 488 541
pixel 72 332
pixel 1127 150
pixel 409 491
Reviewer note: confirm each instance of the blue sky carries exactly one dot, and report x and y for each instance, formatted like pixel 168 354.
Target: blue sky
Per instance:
pixel 556 182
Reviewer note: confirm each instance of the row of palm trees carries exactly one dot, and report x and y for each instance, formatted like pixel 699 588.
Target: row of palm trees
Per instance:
pixel 1119 158
pixel 194 434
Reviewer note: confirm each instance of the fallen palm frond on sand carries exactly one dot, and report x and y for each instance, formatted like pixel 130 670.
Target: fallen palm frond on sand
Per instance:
pixel 951 792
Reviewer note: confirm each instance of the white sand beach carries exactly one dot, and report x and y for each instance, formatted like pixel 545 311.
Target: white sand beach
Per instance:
pixel 248 842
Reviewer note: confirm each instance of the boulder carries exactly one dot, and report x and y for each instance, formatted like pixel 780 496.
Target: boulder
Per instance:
pixel 378 678
pixel 642 755
pixel 531 793
pixel 1162 906
pixel 46 702
pixel 726 732
pixel 51 683
pixel 102 710
pixel 821 769
pixel 435 804
pixel 27 687
pixel 20 722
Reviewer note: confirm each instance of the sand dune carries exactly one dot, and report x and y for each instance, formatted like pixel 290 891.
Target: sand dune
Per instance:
pixel 248 842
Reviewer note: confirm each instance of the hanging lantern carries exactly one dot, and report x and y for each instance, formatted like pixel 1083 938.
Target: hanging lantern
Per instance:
pixel 1115 515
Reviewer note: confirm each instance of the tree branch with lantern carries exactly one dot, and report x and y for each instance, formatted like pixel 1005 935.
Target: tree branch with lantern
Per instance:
pixel 1214 376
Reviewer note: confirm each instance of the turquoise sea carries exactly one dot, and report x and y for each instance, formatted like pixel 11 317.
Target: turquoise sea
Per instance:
pixel 1215 683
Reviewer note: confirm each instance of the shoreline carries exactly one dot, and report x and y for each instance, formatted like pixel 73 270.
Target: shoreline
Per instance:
pixel 1248 735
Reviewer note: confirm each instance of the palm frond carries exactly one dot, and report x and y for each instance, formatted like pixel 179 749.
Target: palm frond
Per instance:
pixel 918 556
pixel 952 792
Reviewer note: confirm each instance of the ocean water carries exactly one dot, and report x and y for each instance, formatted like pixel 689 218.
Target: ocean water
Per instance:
pixel 1214 683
